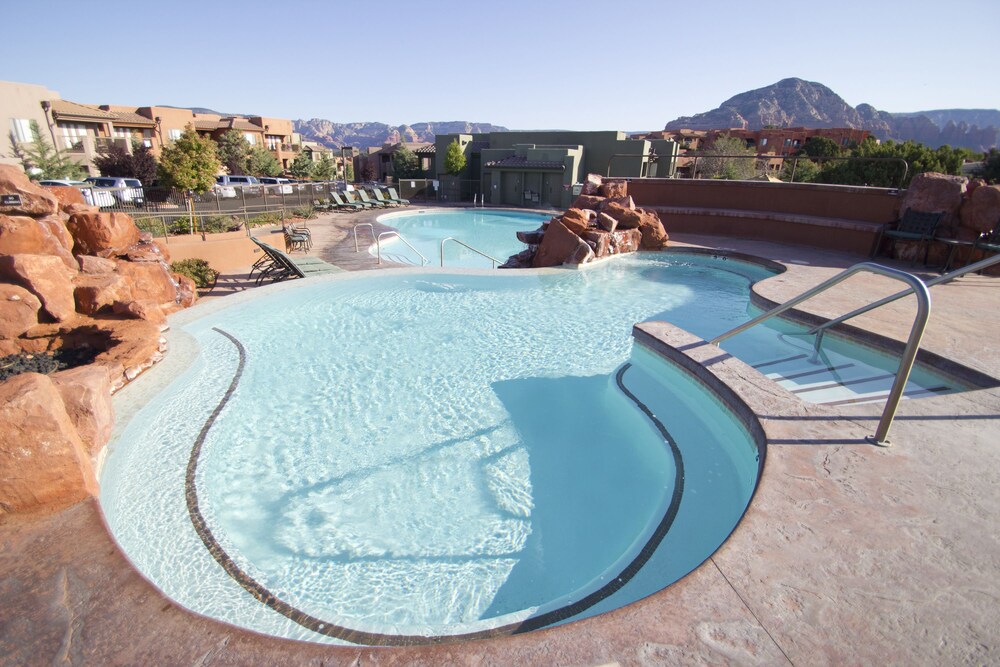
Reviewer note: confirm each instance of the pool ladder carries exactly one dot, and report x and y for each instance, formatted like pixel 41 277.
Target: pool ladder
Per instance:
pixel 466 245
pixel 915 286
pixel 378 242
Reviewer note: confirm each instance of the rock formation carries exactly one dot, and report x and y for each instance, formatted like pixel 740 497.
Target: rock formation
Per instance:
pixel 71 278
pixel 602 221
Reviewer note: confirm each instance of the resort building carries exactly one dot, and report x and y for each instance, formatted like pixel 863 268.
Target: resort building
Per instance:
pixel 541 168
pixel 86 130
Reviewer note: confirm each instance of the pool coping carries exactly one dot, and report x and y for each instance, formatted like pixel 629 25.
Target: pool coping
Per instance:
pixel 822 568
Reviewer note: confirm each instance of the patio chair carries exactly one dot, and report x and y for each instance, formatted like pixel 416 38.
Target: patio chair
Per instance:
pixel 388 201
pixel 365 200
pixel 349 198
pixel 916 226
pixel 394 197
pixel 352 205
pixel 283 267
pixel 295 240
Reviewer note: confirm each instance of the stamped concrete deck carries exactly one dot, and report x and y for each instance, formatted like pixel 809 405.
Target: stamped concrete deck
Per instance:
pixel 848 554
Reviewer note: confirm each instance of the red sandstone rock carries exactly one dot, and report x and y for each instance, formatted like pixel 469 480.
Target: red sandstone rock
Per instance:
pixel 94 264
pixel 654 236
pixel 624 202
pixel 614 189
pixel 187 291
pixel 56 225
pixel 591 184
pixel 44 465
pixel 533 237
pixel 65 194
pixel 102 234
pixel 587 202
pixel 557 245
pixel 141 310
pixel 46 277
pixel 582 254
pixel 97 292
pixel 145 252
pixel 21 235
pixel 981 210
pixel 576 220
pixel 606 222
pixel 600 241
pixel 625 240
pixel 86 395
pixel 149 281
pixel 931 191
pixel 18 310
pixel 623 214
pixel 70 210
pixel 35 200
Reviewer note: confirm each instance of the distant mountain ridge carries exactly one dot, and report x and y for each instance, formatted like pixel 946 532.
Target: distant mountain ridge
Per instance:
pixel 365 135
pixel 798 103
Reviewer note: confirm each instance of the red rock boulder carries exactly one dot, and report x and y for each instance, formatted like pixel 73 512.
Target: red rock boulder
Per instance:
pixel 86 395
pixel 34 199
pixel 99 292
pixel 44 464
pixel 587 202
pixel 94 264
pixel 21 235
pixel 558 244
pixel 933 192
pixel 981 211
pixel 102 234
pixel 575 220
pixel 45 276
pixel 614 189
pixel 18 310
pixel 66 195
pixel 591 184
pixel 149 281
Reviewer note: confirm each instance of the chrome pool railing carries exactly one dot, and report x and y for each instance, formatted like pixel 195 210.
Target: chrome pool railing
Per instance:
pixel 378 246
pixel 466 245
pixel 916 286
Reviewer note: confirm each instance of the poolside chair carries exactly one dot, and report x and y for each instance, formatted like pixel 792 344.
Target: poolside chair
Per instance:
pixel 916 226
pixel 394 197
pixel 365 200
pixel 349 198
pixel 295 240
pixel 351 206
pixel 283 267
pixel 388 201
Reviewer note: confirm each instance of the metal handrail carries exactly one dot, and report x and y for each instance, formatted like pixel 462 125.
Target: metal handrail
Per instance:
pixel 917 286
pixel 378 246
pixel 363 224
pixel 943 278
pixel 475 250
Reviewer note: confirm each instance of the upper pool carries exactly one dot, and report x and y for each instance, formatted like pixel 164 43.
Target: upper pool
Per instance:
pixel 492 232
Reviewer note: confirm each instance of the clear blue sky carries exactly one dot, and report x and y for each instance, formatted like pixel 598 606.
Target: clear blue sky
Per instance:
pixel 587 65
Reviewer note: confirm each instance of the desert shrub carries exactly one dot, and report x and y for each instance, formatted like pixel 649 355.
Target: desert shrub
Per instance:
pixel 197 270
pixel 306 212
pixel 264 219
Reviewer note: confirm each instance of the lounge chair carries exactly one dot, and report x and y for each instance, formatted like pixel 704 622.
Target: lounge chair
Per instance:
pixel 281 266
pixel 394 197
pixel 388 201
pixel 349 198
pixel 341 204
pixel 913 226
pixel 365 200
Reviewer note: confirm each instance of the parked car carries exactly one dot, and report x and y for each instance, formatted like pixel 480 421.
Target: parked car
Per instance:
pixel 250 184
pixel 124 190
pixel 93 197
pixel 285 184
pixel 224 191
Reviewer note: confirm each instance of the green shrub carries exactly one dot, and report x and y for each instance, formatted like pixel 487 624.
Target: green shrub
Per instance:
pixel 214 224
pixel 264 219
pixel 306 212
pixel 197 270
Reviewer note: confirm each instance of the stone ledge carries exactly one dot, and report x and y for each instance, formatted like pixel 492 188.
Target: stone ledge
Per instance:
pixel 776 216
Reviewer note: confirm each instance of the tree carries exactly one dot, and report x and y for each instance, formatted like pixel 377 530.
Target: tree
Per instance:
pixel 302 167
pixel 42 161
pixel 887 173
pixel 729 158
pixel 799 170
pixel 821 147
pixel 325 169
pixel 190 163
pixel 991 166
pixel 116 161
pixel 368 171
pixel 405 163
pixel 263 163
pixel 234 151
pixel 454 159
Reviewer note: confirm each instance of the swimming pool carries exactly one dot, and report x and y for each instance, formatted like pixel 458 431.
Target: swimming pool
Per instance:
pixel 420 456
pixel 491 231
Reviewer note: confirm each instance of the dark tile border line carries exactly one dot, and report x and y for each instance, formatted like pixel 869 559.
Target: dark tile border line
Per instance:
pixel 263 595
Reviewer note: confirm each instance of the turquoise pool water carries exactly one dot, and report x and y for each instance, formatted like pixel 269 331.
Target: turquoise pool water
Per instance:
pixel 490 231
pixel 379 459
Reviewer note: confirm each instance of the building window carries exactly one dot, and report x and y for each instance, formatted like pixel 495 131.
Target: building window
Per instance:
pixel 788 142
pixel 763 141
pixel 73 134
pixel 21 129
pixel 173 134
pixel 251 138
pixel 273 142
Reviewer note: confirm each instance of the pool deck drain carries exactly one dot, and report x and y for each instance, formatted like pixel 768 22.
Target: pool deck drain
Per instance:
pixel 848 553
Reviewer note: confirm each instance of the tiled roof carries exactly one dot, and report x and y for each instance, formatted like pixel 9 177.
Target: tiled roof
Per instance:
pixel 129 118
pixel 515 162
pixel 429 149
pixel 240 124
pixel 68 109
pixel 206 124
